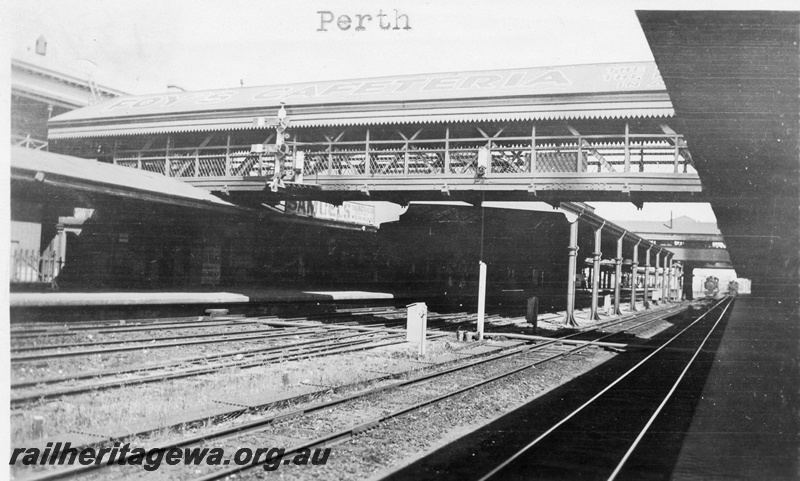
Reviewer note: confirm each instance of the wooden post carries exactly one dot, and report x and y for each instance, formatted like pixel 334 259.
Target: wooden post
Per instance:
pixel 405 159
pixel 677 154
pixel 167 167
pixel 367 160
pixel 228 157
pixel 447 150
pixel 330 158
pixel 627 148
pixel 579 154
pixel 533 149
pixel 481 297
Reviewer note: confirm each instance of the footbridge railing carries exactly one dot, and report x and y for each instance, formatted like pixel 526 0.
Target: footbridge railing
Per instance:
pixel 398 161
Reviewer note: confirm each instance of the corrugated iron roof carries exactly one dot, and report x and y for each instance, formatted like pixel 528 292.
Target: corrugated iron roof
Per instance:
pixel 583 91
pixel 98 176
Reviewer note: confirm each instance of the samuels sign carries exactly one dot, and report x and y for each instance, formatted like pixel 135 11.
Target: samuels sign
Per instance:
pixel 533 81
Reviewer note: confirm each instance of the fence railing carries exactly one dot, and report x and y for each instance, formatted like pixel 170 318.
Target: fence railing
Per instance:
pixel 29 266
pixel 28 142
pixel 651 153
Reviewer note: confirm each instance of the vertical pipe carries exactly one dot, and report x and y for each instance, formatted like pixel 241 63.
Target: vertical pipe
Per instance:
pixel 569 319
pixel 481 297
pixel 618 276
pixel 646 301
pixel 596 274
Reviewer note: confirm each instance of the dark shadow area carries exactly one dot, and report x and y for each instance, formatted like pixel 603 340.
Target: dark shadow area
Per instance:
pixel 580 453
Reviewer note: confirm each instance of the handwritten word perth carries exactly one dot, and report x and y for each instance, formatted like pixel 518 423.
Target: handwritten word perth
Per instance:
pixel 362 23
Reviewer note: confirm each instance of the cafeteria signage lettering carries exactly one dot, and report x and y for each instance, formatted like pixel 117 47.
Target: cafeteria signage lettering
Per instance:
pixel 557 80
pixel 421 84
pixel 417 84
pixel 347 212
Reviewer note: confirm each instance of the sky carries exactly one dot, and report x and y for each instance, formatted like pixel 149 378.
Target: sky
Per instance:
pixel 143 46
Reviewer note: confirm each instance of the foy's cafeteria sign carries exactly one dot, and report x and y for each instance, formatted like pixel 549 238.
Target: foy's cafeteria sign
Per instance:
pixel 349 212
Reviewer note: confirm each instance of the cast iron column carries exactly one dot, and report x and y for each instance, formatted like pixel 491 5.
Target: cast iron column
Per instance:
pixel 634 274
pixel 667 278
pixel 593 315
pixel 569 319
pixel 618 276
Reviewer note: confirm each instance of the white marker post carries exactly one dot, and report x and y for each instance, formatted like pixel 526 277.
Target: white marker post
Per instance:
pixel 481 298
pixel 417 325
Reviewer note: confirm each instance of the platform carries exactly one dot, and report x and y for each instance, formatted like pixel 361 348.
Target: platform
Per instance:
pixel 746 425
pixel 227 296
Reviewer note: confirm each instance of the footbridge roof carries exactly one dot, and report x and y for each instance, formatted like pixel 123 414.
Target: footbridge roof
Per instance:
pixel 618 90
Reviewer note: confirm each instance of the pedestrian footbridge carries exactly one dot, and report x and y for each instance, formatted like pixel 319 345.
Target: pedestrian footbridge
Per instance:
pixel 588 132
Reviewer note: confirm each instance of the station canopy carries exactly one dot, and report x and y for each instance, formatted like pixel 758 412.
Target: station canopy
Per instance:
pixel 618 90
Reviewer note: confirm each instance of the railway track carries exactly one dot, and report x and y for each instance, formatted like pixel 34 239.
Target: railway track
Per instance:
pixel 243 359
pixel 198 365
pixel 431 388
pixel 622 415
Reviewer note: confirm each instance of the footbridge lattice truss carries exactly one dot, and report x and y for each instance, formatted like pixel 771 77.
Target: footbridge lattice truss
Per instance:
pixel 592 132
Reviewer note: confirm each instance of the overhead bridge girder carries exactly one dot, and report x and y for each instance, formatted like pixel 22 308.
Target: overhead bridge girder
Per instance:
pixel 619 187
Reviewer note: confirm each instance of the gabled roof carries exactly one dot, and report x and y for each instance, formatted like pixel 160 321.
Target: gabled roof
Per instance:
pixel 41 83
pixel 620 90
